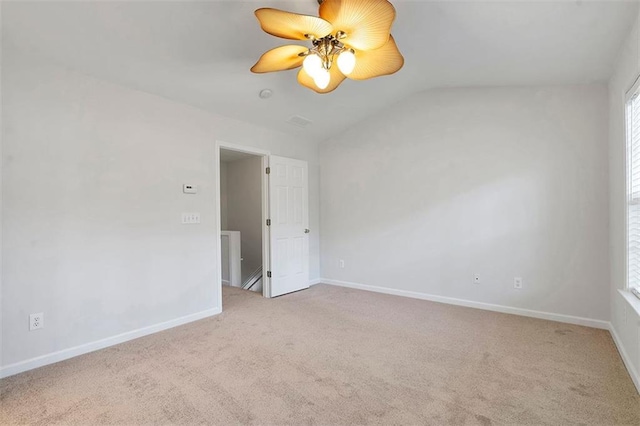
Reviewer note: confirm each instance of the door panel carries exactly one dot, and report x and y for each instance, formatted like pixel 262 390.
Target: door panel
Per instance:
pixel 289 213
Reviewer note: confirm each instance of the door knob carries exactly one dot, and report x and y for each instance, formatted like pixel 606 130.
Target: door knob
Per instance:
pixel 306 231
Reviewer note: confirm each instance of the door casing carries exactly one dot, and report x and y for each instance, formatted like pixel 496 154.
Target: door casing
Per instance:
pixel 266 281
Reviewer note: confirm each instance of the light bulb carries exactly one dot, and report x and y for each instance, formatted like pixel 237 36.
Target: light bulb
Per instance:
pixel 346 62
pixel 312 65
pixel 322 78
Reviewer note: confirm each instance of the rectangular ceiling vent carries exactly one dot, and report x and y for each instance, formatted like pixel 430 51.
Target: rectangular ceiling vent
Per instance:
pixel 299 121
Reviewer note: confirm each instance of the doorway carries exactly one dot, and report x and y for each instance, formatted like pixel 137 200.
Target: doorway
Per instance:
pixel 263 221
pixel 241 226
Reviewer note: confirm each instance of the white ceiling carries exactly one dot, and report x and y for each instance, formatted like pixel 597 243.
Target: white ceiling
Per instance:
pixel 200 53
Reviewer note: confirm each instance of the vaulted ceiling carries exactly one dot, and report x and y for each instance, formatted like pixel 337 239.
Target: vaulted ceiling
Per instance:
pixel 200 53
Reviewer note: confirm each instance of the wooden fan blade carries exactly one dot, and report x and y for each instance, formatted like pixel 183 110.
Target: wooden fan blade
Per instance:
pixel 367 23
pixel 336 78
pixel 280 59
pixel 374 63
pixel 292 26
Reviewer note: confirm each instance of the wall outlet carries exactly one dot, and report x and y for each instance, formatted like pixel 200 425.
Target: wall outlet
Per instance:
pixel 476 278
pixel 341 263
pixel 517 282
pixel 36 321
pixel 190 218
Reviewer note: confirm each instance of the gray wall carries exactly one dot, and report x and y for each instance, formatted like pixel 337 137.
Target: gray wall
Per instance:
pixel 223 196
pixel 502 182
pixel 244 209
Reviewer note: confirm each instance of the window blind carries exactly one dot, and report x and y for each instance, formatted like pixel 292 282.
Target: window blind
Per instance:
pixel 633 176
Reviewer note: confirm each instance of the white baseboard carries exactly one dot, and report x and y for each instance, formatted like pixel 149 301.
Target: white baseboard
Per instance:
pixel 40 361
pixel 316 281
pixel 625 358
pixel 588 322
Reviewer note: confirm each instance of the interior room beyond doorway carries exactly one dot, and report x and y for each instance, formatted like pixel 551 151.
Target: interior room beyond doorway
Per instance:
pixel 241 219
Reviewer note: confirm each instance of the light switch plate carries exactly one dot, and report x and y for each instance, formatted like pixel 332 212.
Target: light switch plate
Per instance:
pixel 190 218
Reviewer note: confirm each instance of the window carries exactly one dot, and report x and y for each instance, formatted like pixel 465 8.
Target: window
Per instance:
pixel 633 187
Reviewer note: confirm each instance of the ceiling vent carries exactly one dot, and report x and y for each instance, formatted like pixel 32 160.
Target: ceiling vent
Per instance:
pixel 299 121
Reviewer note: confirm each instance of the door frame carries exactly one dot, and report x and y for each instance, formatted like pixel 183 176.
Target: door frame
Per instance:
pixel 266 282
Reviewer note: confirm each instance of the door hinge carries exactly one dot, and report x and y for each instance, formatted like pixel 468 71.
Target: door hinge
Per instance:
pixel 268 222
pixel 269 274
pixel 268 170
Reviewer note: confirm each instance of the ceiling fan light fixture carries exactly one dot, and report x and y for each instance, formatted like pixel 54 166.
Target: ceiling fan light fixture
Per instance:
pixel 353 35
pixel 347 61
pixel 322 78
pixel 312 64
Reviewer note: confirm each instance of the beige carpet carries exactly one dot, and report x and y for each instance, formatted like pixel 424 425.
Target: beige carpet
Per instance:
pixel 332 356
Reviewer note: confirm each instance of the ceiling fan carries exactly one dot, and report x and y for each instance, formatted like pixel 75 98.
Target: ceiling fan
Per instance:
pixel 351 38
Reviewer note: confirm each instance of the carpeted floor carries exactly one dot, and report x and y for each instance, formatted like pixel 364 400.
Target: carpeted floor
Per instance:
pixel 331 355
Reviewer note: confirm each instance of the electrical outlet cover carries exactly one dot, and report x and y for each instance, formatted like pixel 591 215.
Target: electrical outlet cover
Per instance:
pixel 36 321
pixel 517 282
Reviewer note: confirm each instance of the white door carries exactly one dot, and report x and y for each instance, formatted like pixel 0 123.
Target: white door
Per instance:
pixel 289 233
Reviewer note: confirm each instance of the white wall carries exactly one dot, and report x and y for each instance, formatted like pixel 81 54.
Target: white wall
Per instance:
pixel 1 197
pixel 625 321
pixel 502 182
pixel 92 188
pixel 244 209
